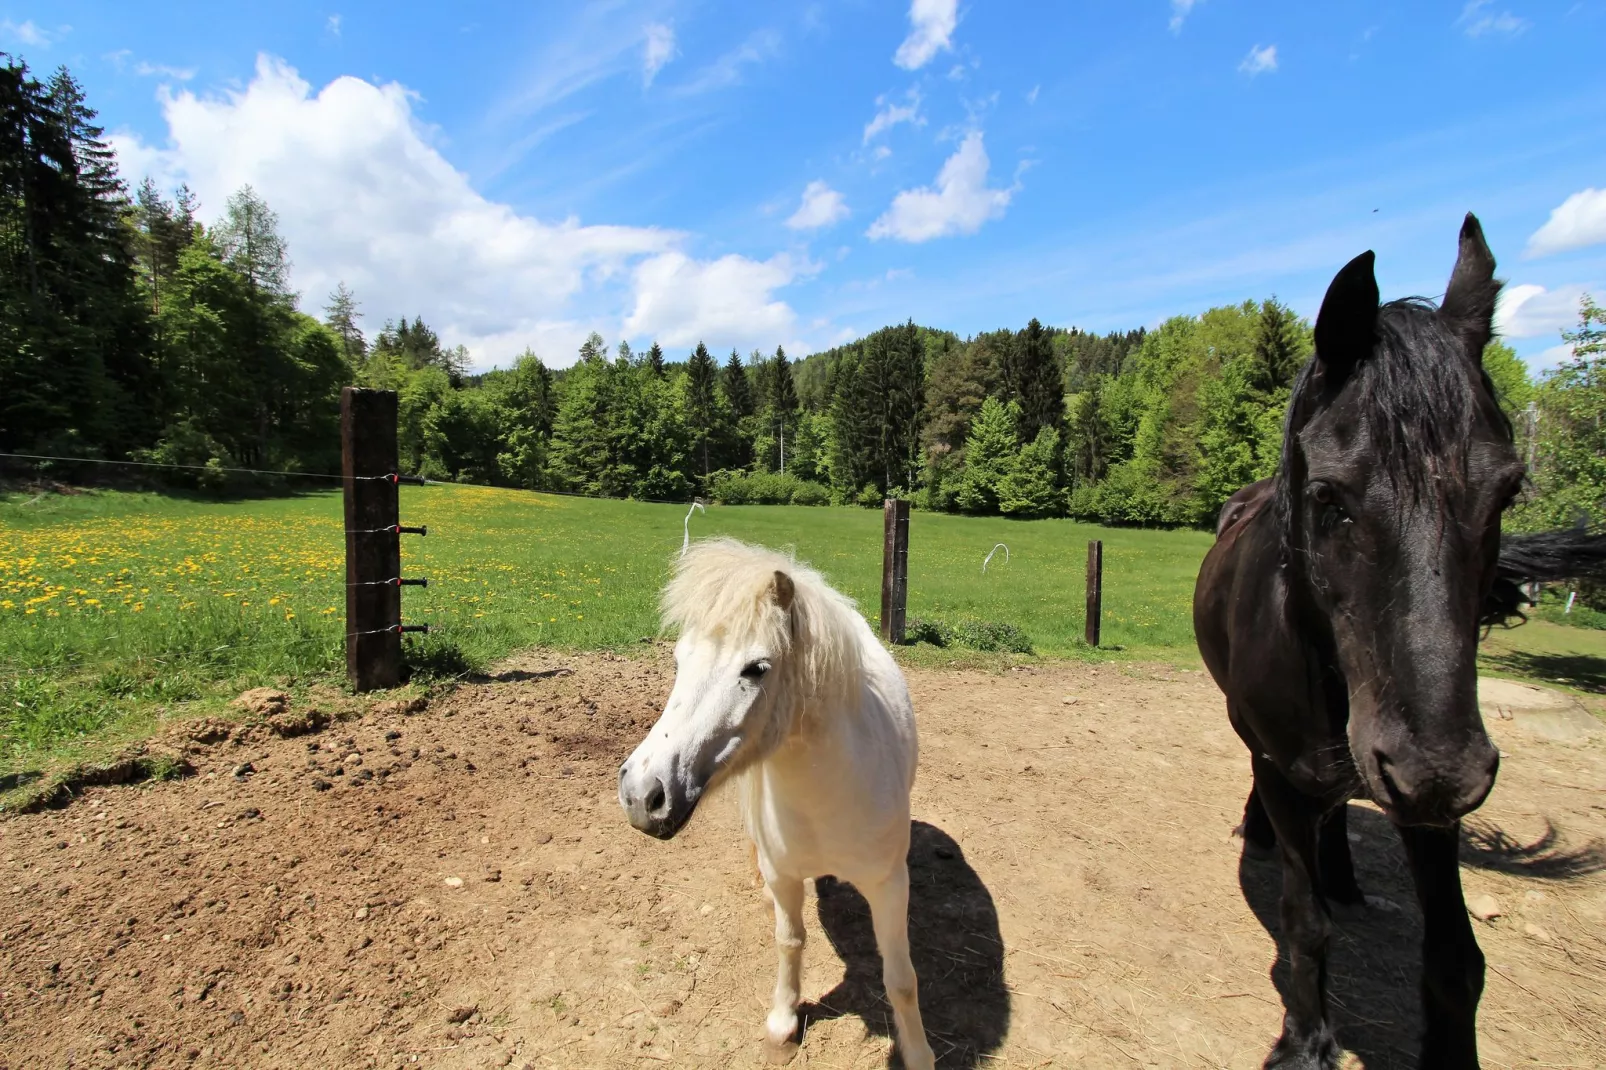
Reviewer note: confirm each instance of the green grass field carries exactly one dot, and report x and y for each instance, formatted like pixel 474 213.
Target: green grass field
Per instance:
pixel 117 608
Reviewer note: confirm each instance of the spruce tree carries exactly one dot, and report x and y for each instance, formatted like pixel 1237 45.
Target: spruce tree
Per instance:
pixel 1032 379
pixel 250 242
pixel 1277 352
pixel 340 314
pixel 738 391
pixel 990 455
pixel 655 360
pixel 702 408
pixel 780 405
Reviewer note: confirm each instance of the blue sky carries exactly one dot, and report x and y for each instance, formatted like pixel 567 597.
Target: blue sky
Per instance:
pixel 801 173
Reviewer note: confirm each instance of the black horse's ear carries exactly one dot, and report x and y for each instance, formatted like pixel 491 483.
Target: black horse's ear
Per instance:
pixel 1469 299
pixel 1346 327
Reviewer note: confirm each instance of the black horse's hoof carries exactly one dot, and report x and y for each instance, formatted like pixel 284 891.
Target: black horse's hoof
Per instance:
pixel 1253 850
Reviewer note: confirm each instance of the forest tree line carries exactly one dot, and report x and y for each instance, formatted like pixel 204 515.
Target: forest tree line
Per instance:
pixel 130 330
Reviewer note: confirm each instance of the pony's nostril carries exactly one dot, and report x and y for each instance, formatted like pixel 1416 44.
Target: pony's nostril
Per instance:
pixel 655 798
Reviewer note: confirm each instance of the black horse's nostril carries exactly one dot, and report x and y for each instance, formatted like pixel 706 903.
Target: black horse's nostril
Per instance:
pixel 655 798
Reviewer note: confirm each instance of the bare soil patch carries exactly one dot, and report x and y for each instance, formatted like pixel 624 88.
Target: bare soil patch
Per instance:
pixel 455 887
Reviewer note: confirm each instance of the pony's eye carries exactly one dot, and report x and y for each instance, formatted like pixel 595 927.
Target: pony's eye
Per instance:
pixel 755 670
pixel 1321 493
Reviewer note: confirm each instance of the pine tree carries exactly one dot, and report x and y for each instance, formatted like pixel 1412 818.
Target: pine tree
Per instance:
pixel 1277 354
pixel 1032 379
pixel 249 239
pixel 738 391
pixel 1029 488
pixel 990 454
pixel 655 360
pixel 702 409
pixel 780 406
pixel 340 314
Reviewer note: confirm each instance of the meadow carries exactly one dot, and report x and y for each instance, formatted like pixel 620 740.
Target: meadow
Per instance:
pixel 117 608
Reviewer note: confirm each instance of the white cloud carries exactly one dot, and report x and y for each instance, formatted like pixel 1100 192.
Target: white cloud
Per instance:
pixel 1577 222
pixel 889 114
pixel 727 69
pixel 681 301
pixel 658 50
pixel 821 207
pixel 362 196
pixel 160 70
pixel 1031 98
pixel 332 25
pixel 1532 311
pixel 960 203
pixel 931 30
pixel 881 152
pixel 28 32
pixel 1477 20
pixel 1259 61
pixel 1180 10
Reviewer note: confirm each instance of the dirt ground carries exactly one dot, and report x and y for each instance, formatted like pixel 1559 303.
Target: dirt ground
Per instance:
pixel 466 893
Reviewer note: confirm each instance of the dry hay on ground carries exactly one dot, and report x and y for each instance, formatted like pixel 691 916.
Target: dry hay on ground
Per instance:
pixel 457 888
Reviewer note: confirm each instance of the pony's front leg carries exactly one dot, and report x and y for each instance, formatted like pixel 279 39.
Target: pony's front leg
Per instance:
pixel 1452 963
pixel 1307 1041
pixel 787 894
pixel 889 911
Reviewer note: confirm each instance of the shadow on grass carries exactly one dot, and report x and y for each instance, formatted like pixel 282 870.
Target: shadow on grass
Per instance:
pixel 1586 672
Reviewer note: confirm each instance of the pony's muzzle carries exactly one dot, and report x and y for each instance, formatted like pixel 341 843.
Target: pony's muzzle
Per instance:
pixel 651 805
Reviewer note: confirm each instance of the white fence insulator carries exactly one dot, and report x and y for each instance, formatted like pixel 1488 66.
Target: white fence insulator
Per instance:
pixel 685 542
pixel 1570 596
pixel 989 557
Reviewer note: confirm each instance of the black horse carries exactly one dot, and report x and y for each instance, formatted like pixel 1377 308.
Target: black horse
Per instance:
pixel 1339 611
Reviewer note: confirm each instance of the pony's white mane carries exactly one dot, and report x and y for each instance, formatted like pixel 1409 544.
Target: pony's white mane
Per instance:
pixel 725 589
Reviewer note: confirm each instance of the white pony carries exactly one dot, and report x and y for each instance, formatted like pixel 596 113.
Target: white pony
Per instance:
pixel 782 690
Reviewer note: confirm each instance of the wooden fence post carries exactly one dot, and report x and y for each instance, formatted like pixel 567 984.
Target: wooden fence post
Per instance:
pixel 1095 590
pixel 894 570
pixel 373 555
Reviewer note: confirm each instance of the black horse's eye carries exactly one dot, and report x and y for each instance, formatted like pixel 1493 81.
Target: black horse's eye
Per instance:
pixel 1331 512
pixel 755 670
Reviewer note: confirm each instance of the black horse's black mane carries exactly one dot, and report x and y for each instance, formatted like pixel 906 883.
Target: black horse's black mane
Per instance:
pixel 1419 396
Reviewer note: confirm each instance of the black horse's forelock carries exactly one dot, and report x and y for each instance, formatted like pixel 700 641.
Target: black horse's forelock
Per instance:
pixel 1419 394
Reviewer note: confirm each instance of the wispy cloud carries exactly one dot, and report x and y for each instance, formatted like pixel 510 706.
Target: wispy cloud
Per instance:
pixel 1180 10
pixel 1259 61
pixel 727 69
pixel 1478 19
pixel 30 33
pixel 331 26
pixel 1575 223
pixel 931 30
pixel 162 70
pixel 889 114
pixel 658 49
pixel 960 202
pixel 1031 97
pixel 821 207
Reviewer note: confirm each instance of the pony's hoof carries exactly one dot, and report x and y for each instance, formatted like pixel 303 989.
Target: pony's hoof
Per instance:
pixel 779 1053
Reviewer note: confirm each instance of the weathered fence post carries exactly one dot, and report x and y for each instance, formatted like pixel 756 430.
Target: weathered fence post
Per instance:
pixel 894 570
pixel 373 553
pixel 1095 590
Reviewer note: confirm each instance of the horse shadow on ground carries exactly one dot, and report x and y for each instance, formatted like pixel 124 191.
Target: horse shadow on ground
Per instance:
pixel 1375 961
pixel 955 944
pixel 1586 672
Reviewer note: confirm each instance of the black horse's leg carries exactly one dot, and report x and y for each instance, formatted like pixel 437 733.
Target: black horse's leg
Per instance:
pixel 1307 1041
pixel 1260 839
pixel 1337 865
pixel 1452 964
